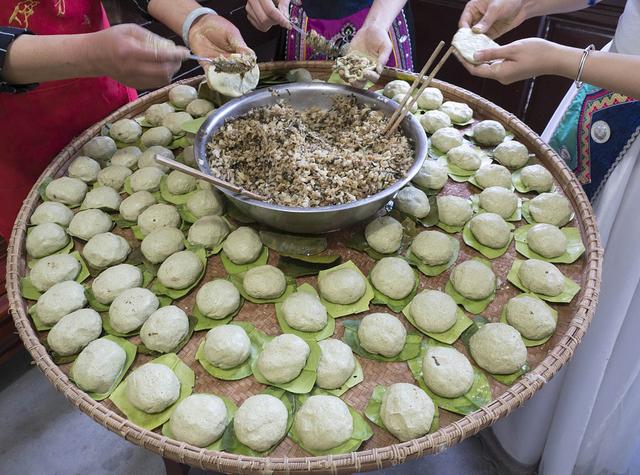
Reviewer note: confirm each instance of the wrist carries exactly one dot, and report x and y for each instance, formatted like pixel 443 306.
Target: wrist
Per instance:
pixel 566 61
pixel 91 55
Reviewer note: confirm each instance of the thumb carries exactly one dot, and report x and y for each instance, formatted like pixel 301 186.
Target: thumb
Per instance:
pixel 161 48
pixel 491 54
pixel 487 20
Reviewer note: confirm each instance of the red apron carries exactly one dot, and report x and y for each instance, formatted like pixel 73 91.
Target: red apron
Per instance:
pixel 36 125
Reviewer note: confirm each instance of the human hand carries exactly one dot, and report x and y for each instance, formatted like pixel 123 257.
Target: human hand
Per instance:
pixel 493 17
pixel 522 59
pixel 134 56
pixel 263 14
pixel 212 36
pixel 374 42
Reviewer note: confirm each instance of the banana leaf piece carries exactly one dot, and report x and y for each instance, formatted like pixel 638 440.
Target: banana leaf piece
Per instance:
pixel 301 384
pixel 395 304
pixel 243 370
pixel 449 229
pixel 186 215
pixel 142 121
pixel 39 324
pixel 180 141
pixel 411 347
pixel 122 223
pixel 435 154
pixel 372 411
pixel 479 394
pixel 516 216
pixel 205 323
pixel 233 268
pixel 42 188
pixel 217 444
pixel 356 378
pixel 130 350
pixel 151 421
pixel 237 280
pixel 575 248
pixel 287 244
pixel 298 266
pixel 506 379
pixel 361 433
pixel 433 271
pixel 326 332
pixel 159 289
pixel 192 126
pixel 488 252
pixel 109 330
pixel 527 341
pixel 362 305
pixel 516 178
pixel 448 337
pixel 230 442
pixel 143 350
pixel 571 288
pixel 172 198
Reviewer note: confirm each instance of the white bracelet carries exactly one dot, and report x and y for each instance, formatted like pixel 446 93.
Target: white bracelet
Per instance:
pixel 583 60
pixel 191 18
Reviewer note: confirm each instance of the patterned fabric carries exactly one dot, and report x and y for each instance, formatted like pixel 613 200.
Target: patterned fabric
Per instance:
pixel 594 154
pixel 7 35
pixel 341 31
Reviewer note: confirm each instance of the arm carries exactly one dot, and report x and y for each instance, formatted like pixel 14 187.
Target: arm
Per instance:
pixel 127 53
pixel 536 57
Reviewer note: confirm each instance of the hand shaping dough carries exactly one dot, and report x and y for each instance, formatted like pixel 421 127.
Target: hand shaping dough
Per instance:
pixel 467 43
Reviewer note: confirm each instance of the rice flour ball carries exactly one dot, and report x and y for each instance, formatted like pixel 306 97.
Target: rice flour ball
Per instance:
pixel 498 348
pixel 432 247
pixel 53 269
pixel 551 208
pixel 530 316
pixel 125 131
pixel 433 175
pixel 473 280
pixel 394 277
pixel 490 230
pixel 489 132
pixel 152 388
pixel 74 331
pixel 179 183
pixel 199 419
pixel 208 231
pixel 84 168
pixel 133 205
pixel 146 179
pixel 98 366
pixel 454 210
pixel 434 120
pixel 337 364
pixel 205 203
pixel 45 239
pixel 114 176
pixel 446 138
pixel 131 308
pixel 243 245
pixel 102 197
pixel 382 334
pixel 181 95
pixel 537 178
pixel 498 200
pixel 261 422
pixel 100 148
pixel 66 190
pixel 511 154
pixel 323 422
pixel 218 299
pixel 264 282
pixel 342 286
pixel 283 358
pixel 156 112
pixel 459 112
pixel 126 157
pixel 303 311
pixel 227 346
pixel 158 216
pixel 541 277
pixel 384 234
pixel 148 157
pixel 547 240
pixel 447 372
pixel 114 280
pixel 493 175
pixel 157 136
pixel 105 250
pixel 180 270
pixel 52 212
pixel 407 411
pixel 413 201
pixel 165 329
pixel 60 300
pixel 430 99
pixel 161 243
pixel 434 311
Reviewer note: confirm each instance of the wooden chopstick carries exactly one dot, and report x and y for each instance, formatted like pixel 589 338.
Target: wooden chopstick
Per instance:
pixel 394 125
pixel 416 81
pixel 211 179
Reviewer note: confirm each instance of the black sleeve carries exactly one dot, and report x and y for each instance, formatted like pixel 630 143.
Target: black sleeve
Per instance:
pixel 143 5
pixel 7 35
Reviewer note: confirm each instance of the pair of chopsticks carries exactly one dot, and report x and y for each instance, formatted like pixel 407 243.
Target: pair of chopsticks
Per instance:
pixel 410 98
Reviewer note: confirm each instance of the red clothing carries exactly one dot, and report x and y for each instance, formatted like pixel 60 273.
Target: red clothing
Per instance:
pixel 37 124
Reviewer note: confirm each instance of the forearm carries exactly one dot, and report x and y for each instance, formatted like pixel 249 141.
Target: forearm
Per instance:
pixel 172 12
pixel 33 59
pixel 383 12
pixel 536 8
pixel 610 71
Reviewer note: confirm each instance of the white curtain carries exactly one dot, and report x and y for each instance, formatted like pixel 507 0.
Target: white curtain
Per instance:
pixel 586 421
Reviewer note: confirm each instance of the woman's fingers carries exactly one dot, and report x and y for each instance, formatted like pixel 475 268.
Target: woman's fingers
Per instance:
pixel 492 54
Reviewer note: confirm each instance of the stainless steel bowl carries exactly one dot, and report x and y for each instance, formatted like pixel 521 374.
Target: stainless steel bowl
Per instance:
pixel 302 96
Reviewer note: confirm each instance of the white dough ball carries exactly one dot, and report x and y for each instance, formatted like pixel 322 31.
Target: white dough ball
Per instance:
pixel 74 331
pixel 205 203
pixel 152 388
pixel 102 197
pixel 541 277
pixel 384 234
pixel 98 366
pixel 434 311
pixel 60 300
pixel 489 132
pixel 126 157
pixel 473 280
pixel 490 230
pixel 200 107
pixel 459 112
pixel 125 131
pixel 406 411
pixel 113 176
pixel 337 364
pixel 114 280
pixel 465 156
pixel 283 358
pixel 84 168
pixel 413 201
pixel 511 154
pixel 547 240
pixel 493 175
pixel 179 183
pixel 498 348
pixel 218 299
pixel 208 231
pixel 342 286
pixel 146 179
pixel 261 421
pixel 227 346
pixel 454 210
pixel 131 308
pixel 243 245
pixel 382 334
pixel 199 420
pixel 105 250
pixel 399 98
pixel 432 247
pixel 323 422
pixel 537 178
pixel 530 316
pixel 161 243
pixel 174 120
pixel 165 329
pixel 394 277
pixel 551 208
pixel 433 175
pixel 52 212
pixel 434 120
pixel 498 200
pixel 430 99
pixel 100 148
pixel 157 136
pixel 158 216
pixel 133 205
pixel 45 239
pixel 156 112
pixel 180 270
pixel 447 372
pixel 395 87
pixel 264 282
pixel 304 312
pixel 181 95
pixel 66 190
pixel 446 138
pixel 53 269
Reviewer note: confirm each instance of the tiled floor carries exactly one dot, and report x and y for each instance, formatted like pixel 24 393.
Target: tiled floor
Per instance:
pixel 41 433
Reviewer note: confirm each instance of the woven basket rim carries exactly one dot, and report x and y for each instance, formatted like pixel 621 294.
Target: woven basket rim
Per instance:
pixel 370 459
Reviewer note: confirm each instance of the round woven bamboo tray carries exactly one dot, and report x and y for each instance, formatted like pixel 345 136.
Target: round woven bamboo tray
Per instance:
pixel 382 449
